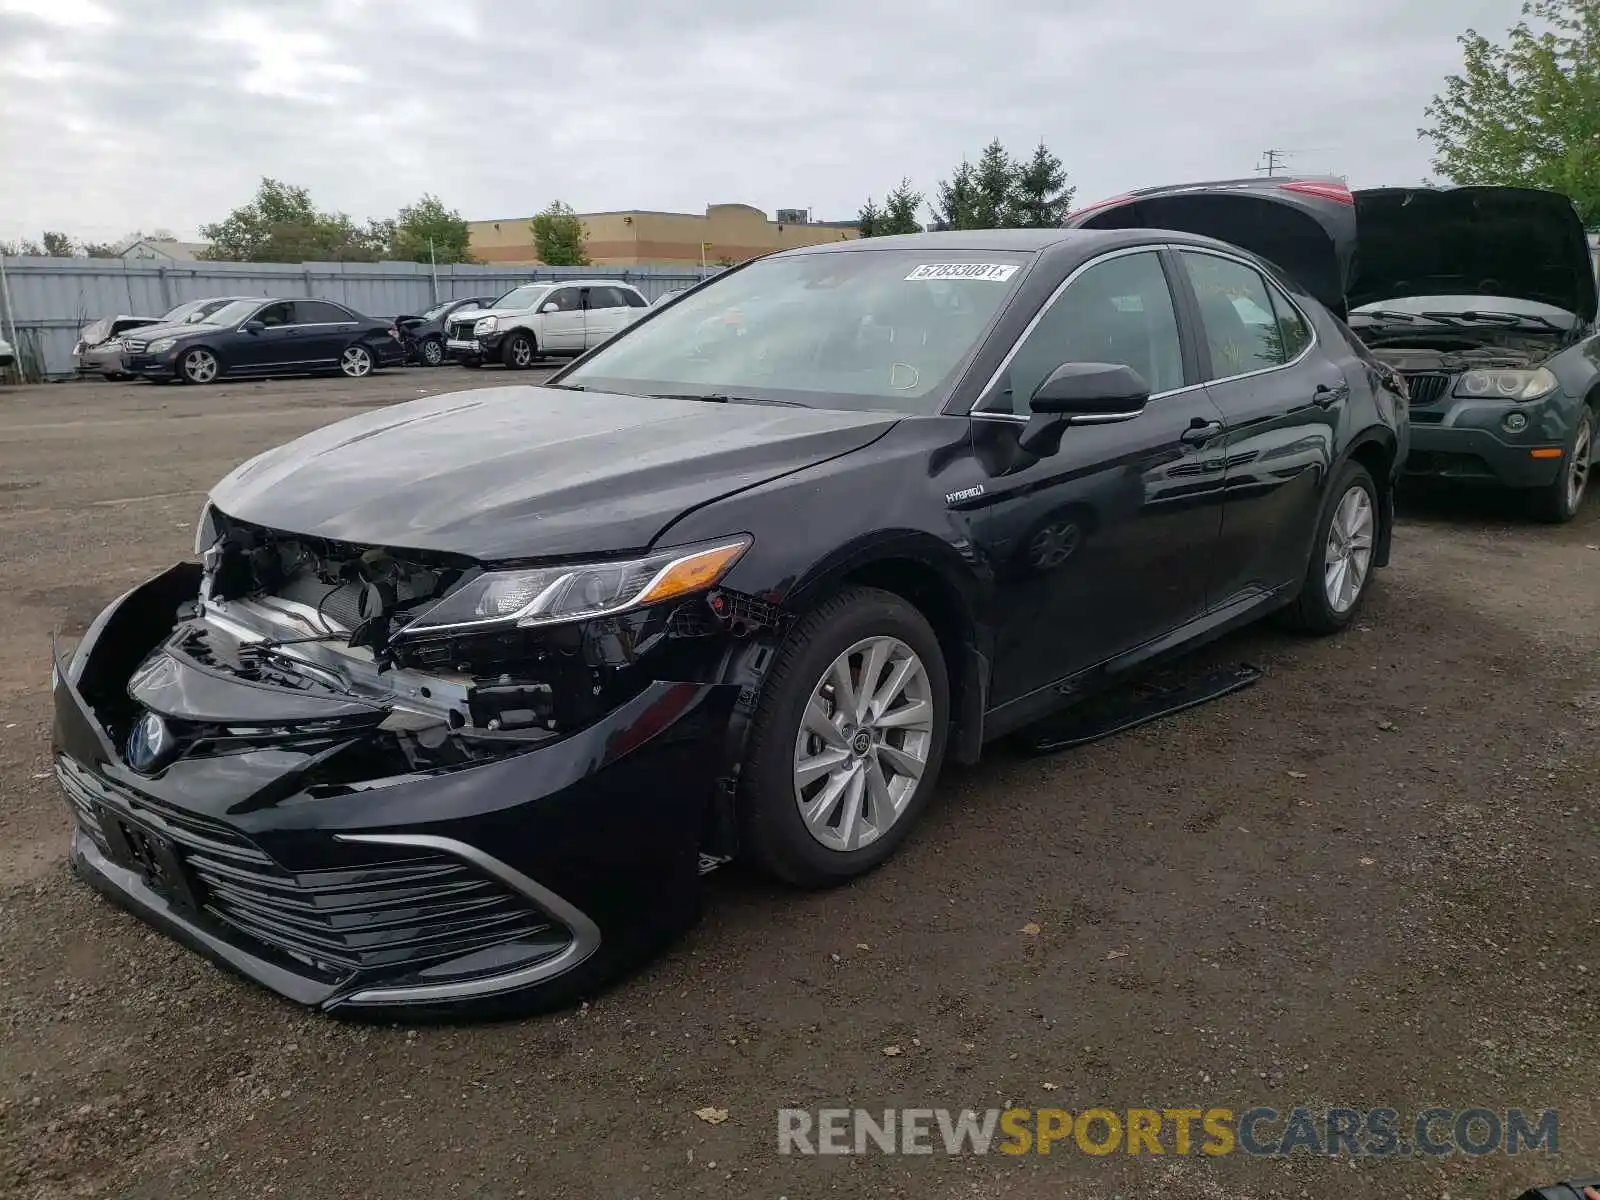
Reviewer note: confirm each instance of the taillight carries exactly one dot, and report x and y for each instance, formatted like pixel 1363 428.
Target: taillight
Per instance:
pixel 394 333
pixel 1336 192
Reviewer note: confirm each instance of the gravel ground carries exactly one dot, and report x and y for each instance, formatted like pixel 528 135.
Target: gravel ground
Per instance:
pixel 1368 881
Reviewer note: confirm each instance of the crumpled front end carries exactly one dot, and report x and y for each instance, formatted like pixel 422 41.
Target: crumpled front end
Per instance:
pixel 471 823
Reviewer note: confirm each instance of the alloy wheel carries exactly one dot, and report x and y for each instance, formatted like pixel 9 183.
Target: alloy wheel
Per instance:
pixel 1578 466
pixel 1348 555
pixel 199 366
pixel 863 743
pixel 432 352
pixel 521 352
pixel 357 361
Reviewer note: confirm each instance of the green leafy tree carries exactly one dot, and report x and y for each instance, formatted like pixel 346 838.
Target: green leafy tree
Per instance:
pixel 98 250
pixel 900 209
pixel 869 219
pixel 956 207
pixel 1042 196
pixel 558 237
pixel 22 248
pixel 1526 113
pixel 57 245
pixel 428 223
pixel 994 187
pixel 282 225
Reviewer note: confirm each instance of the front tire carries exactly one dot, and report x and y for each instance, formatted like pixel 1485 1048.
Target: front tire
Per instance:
pixel 1559 501
pixel 356 362
pixel 847 740
pixel 519 351
pixel 431 352
pixel 199 366
pixel 1340 572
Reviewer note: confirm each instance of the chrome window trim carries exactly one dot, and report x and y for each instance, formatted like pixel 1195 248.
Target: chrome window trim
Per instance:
pixel 1023 418
pixel 1154 248
pixel 1268 282
pixel 585 933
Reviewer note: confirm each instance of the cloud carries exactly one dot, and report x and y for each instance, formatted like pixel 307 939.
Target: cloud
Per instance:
pixel 145 113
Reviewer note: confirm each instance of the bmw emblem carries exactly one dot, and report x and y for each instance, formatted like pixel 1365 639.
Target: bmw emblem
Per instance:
pixel 150 744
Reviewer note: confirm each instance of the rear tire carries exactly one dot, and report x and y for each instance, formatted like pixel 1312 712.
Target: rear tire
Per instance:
pixel 1559 501
pixel 519 352
pixel 357 362
pixel 1346 536
pixel 817 809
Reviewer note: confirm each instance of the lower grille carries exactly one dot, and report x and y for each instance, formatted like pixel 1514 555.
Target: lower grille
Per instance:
pixel 409 910
pixel 1427 418
pixel 1427 388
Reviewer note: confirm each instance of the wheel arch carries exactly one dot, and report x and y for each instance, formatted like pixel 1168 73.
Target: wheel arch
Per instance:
pixel 918 569
pixel 1375 450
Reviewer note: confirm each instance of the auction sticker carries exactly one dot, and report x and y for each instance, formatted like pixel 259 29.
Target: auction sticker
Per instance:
pixel 989 272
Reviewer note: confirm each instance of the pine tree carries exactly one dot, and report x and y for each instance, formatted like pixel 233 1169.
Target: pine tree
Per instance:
pixel 869 219
pixel 957 199
pixel 994 189
pixel 1042 197
pixel 900 208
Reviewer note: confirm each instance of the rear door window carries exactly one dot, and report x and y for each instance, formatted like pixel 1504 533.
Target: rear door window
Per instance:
pixel 1241 329
pixel 320 312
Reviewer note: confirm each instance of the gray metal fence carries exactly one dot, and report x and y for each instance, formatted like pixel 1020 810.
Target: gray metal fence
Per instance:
pixel 49 300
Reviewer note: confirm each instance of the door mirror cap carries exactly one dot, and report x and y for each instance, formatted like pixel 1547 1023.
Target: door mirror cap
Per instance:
pixel 1091 391
pixel 550 307
pixel 252 327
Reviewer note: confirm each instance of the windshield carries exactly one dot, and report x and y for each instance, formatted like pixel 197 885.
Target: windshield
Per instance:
pixel 1532 310
pixel 858 328
pixel 230 313
pixel 525 296
pixel 192 312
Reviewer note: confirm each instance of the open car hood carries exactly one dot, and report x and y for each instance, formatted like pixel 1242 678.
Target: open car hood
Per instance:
pixel 1353 248
pixel 530 472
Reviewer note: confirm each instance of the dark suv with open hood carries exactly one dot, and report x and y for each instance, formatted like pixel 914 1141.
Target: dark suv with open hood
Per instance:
pixel 1481 298
pixel 462 695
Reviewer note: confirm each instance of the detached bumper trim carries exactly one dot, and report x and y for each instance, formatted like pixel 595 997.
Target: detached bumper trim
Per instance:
pixel 585 933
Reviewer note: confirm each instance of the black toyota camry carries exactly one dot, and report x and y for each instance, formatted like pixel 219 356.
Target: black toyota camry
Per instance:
pixel 462 696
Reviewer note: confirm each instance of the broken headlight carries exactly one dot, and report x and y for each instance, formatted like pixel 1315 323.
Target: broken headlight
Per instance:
pixel 551 595
pixel 1507 384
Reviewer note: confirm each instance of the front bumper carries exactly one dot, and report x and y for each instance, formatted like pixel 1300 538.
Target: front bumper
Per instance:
pixel 151 366
pixel 97 361
pixel 1466 440
pixel 473 350
pixel 508 885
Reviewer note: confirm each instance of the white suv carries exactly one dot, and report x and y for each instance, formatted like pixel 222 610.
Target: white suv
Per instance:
pixel 538 320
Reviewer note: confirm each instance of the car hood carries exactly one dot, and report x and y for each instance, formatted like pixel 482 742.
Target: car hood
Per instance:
pixel 1353 248
pixel 1478 241
pixel 529 472
pixel 149 333
pixel 488 312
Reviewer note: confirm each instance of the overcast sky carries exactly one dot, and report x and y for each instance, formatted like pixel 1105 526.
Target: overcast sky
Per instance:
pixel 125 114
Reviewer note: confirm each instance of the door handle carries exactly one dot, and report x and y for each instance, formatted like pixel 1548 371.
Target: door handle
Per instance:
pixel 1325 396
pixel 1200 432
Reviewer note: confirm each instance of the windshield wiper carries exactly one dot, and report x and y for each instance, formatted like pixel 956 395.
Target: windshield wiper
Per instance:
pixel 567 387
pixel 1386 314
pixel 1492 315
pixel 723 398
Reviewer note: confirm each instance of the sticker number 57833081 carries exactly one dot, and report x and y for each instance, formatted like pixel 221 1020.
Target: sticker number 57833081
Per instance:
pixel 989 272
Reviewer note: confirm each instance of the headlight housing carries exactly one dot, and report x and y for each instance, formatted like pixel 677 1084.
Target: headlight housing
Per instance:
pixel 485 325
pixel 1507 384
pixel 161 345
pixel 557 594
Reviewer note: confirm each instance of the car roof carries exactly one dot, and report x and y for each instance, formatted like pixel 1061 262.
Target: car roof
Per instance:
pixel 1020 240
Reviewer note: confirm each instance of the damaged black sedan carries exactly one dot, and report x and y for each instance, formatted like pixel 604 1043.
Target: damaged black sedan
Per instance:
pixel 463 696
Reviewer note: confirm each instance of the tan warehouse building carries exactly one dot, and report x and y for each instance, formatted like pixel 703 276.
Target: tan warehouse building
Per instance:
pixel 726 233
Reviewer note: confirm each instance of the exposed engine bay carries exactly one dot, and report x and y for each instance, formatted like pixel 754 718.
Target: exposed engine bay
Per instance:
pixel 327 619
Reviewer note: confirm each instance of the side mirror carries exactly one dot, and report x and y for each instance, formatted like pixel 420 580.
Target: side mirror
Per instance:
pixel 252 326
pixel 1081 393
pixel 550 307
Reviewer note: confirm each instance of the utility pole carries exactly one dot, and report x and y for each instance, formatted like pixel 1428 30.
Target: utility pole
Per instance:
pixel 1271 161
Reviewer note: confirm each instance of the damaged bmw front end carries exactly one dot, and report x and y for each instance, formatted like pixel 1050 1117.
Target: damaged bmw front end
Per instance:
pixel 386 780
